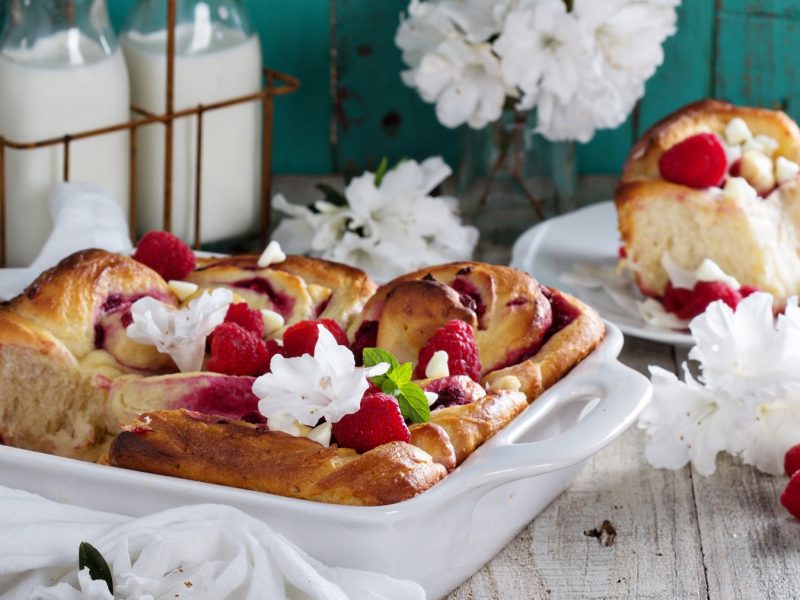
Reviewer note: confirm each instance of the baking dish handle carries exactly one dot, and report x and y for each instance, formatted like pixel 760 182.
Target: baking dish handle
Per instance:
pixel 622 394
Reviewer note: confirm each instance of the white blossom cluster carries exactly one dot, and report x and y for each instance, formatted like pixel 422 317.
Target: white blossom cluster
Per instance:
pixel 746 400
pixel 582 63
pixel 386 228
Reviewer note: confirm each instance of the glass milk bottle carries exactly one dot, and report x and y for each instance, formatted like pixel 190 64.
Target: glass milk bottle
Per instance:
pixel 218 56
pixel 61 72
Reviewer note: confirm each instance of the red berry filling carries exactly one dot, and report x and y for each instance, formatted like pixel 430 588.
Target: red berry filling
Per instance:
pixel 470 297
pixel 377 422
pixel 301 338
pixel 698 161
pixel 687 304
pixel 458 340
pixel 226 396
pixel 281 303
pixel 366 337
pixel 166 254
pixel 236 351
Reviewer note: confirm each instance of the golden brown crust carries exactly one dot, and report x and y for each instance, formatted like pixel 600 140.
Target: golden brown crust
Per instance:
pixel 317 288
pixel 68 301
pixel 468 426
pixel 514 313
pixel 433 439
pixel 707 116
pixel 192 446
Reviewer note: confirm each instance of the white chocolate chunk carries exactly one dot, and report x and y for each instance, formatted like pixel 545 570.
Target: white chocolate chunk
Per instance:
pixel 182 289
pixel 321 434
pixel 737 132
pixel 272 321
pixel 288 424
pixel 510 383
pixel 754 145
pixel 739 190
pixel 272 255
pixel 318 293
pixel 758 170
pixel 769 144
pixel 786 170
pixel 431 397
pixel 732 153
pixel 437 366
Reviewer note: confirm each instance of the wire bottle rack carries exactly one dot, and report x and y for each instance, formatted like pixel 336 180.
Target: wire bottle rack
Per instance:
pixel 276 84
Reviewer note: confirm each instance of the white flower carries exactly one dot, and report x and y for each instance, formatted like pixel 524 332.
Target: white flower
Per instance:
pixel 386 229
pixel 478 19
pixel 465 82
pixel 181 333
pixel 685 422
pixel 88 589
pixel 426 26
pixel 543 49
pixel 309 388
pixel 747 398
pixel 307 230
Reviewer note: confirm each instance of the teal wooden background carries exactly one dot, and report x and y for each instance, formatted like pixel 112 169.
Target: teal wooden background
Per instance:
pixel 353 109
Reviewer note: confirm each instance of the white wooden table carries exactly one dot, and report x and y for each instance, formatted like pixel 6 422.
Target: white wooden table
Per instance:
pixel 679 535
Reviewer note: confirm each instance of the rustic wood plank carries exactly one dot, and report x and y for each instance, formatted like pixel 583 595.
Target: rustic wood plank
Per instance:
pixel 657 551
pixel 749 541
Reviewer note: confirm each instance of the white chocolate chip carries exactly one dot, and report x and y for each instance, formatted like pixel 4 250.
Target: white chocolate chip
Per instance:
pixel 272 321
pixel 182 289
pixel 431 397
pixel 786 170
pixel 754 145
pixel 732 153
pixel 272 254
pixel 318 293
pixel 509 383
pixel 739 190
pixel 288 424
pixel 758 170
pixel 769 144
pixel 321 434
pixel 437 366
pixel 737 132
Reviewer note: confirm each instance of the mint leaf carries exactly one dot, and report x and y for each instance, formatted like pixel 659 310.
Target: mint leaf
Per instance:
pixel 89 556
pixel 381 171
pixel 374 356
pixel 401 374
pixel 413 403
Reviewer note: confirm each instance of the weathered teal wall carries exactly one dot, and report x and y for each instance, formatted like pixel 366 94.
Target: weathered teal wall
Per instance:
pixel 353 109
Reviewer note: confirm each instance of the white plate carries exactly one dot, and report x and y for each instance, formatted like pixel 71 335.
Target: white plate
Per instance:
pixel 438 538
pixel 587 236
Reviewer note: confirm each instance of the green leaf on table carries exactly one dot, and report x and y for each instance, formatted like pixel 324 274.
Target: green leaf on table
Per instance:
pixel 89 556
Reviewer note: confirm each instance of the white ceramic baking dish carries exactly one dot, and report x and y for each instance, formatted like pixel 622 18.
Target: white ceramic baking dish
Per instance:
pixel 440 537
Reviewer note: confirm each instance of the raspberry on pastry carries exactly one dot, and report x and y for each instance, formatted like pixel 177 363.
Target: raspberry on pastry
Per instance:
pixel 377 422
pixel 236 351
pixel 791 462
pixel 698 161
pixel 301 338
pixel 457 339
pixel 166 254
pixel 687 304
pixel 247 318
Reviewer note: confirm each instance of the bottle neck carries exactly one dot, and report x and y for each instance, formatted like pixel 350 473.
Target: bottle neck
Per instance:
pixel 57 33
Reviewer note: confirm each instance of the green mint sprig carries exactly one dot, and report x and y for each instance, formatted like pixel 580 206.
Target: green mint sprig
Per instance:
pixel 89 556
pixel 397 382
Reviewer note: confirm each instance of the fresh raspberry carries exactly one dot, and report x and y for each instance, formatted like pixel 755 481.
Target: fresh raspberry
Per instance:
pixel 791 462
pixel 301 338
pixel 166 254
pixel 746 290
pixel 698 161
pixel 366 337
pixel 236 351
pixel 455 338
pixel 687 304
pixel 274 348
pixel 247 318
pixel 622 252
pixel 790 498
pixel 735 169
pixel 377 422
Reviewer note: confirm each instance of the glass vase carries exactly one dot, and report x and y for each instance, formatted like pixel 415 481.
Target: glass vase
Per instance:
pixel 510 178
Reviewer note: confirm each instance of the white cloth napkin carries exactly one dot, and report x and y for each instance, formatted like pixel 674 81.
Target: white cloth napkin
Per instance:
pixel 84 216
pixel 202 552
